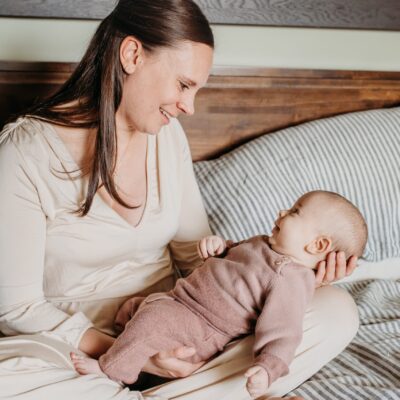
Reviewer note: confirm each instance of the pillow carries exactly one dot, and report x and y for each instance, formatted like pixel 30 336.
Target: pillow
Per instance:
pixel 355 154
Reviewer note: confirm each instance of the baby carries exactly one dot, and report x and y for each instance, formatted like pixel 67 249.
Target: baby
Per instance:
pixel 261 285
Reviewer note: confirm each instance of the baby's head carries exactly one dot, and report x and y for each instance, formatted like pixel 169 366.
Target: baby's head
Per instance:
pixel 318 223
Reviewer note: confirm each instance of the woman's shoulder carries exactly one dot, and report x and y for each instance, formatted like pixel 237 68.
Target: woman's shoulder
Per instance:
pixel 23 135
pixel 25 142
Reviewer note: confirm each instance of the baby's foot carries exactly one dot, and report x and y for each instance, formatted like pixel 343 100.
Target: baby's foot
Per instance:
pixel 86 365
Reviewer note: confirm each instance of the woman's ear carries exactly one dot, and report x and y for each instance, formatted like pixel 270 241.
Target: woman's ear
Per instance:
pixel 130 53
pixel 321 244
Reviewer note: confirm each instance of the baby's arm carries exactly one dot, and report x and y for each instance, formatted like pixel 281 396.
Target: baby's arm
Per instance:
pixel 211 246
pixel 279 327
pixel 257 381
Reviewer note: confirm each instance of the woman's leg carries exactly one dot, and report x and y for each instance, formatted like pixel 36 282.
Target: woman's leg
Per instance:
pixel 35 367
pixel 330 324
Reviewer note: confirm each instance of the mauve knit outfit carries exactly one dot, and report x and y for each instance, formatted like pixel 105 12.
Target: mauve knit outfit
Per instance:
pixel 251 289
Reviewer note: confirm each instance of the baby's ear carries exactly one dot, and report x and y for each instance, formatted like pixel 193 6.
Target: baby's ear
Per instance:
pixel 321 244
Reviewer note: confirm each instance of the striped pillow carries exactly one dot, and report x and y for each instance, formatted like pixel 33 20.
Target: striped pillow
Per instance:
pixel 356 155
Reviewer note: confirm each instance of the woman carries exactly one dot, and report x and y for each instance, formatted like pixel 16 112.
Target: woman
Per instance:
pixel 100 203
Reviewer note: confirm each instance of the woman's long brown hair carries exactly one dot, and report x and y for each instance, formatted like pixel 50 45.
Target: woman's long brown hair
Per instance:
pixel 92 94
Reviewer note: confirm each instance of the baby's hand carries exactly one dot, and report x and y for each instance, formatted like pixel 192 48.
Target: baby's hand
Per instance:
pixel 210 246
pixel 257 381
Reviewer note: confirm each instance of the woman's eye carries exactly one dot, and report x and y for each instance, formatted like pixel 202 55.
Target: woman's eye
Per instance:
pixel 183 86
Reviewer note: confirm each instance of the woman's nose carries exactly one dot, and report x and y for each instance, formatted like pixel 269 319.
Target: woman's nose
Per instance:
pixel 187 105
pixel 186 108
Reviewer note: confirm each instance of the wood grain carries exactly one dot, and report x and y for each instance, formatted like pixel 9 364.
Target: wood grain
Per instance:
pixel 237 104
pixel 361 14
pixel 74 9
pixel 354 14
pixel 240 104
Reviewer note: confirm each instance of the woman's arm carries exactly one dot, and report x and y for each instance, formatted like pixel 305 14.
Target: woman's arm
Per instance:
pixel 193 222
pixel 23 306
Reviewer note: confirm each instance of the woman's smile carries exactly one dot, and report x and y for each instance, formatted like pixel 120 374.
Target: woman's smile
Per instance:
pixel 165 115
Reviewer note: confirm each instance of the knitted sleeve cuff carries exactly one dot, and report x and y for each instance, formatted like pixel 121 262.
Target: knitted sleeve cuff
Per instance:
pixel 274 366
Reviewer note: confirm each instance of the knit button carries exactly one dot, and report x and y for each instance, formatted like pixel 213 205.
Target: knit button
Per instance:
pixel 278 261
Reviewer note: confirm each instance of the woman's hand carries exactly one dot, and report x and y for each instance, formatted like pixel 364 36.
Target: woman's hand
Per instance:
pixel 170 364
pixel 334 268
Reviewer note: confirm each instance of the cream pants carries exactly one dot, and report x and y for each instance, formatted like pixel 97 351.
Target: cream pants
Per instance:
pixel 33 367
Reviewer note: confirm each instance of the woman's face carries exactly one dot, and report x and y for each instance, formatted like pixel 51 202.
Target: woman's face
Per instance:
pixel 163 85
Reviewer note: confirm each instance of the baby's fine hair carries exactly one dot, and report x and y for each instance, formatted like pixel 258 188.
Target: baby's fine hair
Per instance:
pixel 349 231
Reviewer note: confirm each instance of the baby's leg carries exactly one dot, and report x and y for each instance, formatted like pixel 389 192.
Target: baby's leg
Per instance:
pixel 86 365
pixel 159 324
pixel 126 312
pixel 146 334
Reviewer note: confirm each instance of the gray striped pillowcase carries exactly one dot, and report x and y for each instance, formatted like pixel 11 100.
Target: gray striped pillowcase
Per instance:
pixel 356 155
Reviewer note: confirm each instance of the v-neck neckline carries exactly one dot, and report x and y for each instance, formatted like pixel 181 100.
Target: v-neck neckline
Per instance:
pixel 97 197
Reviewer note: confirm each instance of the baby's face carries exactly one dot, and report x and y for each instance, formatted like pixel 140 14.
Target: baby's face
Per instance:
pixel 295 228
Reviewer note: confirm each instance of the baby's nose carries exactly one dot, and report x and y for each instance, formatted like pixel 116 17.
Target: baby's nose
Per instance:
pixel 282 213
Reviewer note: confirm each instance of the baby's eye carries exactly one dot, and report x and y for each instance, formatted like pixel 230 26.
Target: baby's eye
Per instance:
pixel 294 211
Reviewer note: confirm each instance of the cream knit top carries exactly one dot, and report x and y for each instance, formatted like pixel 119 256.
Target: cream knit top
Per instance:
pixel 60 273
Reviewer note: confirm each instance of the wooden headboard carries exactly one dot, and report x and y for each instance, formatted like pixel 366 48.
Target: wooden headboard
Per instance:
pixel 237 104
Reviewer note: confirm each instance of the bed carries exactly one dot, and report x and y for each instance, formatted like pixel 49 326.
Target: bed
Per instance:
pixel 244 110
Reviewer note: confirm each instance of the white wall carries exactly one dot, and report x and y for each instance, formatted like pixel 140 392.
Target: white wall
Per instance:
pixel 23 39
